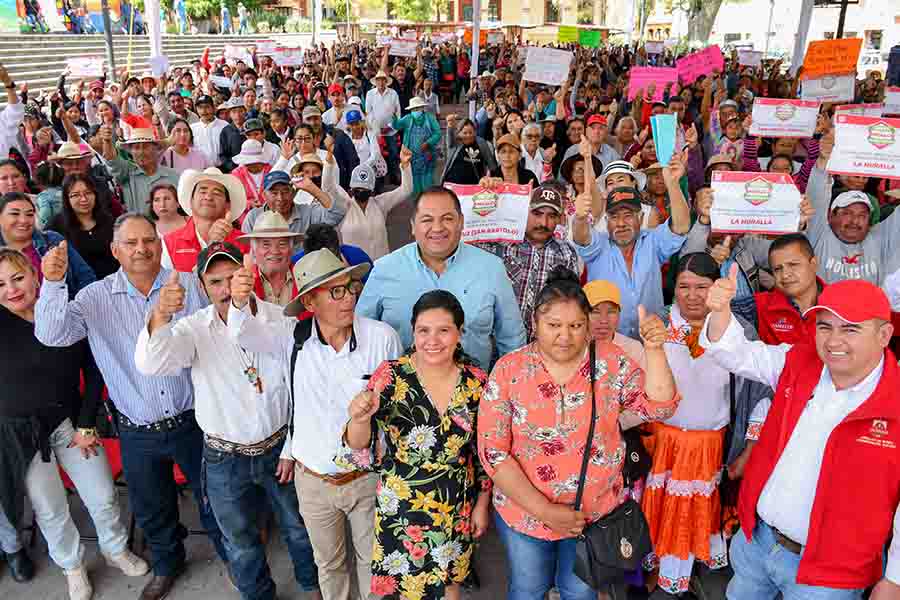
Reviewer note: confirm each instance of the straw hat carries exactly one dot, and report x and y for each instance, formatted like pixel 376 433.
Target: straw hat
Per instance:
pixel 316 269
pixel 417 103
pixel 252 153
pixel 141 135
pixel 71 151
pixel 191 177
pixel 270 224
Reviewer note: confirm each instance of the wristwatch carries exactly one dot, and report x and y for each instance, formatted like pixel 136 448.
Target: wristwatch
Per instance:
pixel 87 431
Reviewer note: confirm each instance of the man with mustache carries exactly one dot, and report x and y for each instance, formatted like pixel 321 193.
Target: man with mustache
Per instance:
pixel 529 262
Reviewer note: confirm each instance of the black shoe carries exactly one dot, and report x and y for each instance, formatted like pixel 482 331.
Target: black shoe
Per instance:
pixel 20 566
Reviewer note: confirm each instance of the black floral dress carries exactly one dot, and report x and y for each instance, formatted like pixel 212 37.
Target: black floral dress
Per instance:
pixel 430 478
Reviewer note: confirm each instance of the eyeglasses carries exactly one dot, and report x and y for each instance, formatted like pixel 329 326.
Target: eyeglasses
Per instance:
pixel 338 292
pixel 532 137
pixel 603 112
pixel 304 138
pixel 81 195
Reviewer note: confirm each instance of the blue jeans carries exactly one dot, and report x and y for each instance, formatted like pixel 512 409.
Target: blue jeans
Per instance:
pixel 148 458
pixel 237 487
pixel 537 565
pixel 763 569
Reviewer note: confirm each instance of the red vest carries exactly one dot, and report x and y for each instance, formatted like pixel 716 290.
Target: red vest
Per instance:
pixel 859 486
pixel 780 322
pixel 183 246
pixel 260 292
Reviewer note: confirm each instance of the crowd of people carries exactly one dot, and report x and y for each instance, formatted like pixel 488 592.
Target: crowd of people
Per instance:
pixel 197 281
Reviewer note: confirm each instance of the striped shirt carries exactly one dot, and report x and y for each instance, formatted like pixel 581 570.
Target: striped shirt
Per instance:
pixel 111 313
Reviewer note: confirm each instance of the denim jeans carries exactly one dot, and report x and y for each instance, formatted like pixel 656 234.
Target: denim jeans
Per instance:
pixel 94 484
pixel 237 487
pixel 763 569
pixel 9 537
pixel 148 459
pixel 537 565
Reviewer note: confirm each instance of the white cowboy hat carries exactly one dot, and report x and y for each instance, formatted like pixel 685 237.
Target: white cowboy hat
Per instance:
pixel 252 152
pixel 236 193
pixel 270 224
pixel 141 135
pixel 317 268
pixel 71 151
pixel 417 103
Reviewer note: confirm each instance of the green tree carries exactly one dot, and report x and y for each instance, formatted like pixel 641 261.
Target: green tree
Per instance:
pixel 701 15
pixel 204 9
pixel 412 10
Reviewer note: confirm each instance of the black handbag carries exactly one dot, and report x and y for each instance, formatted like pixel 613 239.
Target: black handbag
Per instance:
pixel 617 543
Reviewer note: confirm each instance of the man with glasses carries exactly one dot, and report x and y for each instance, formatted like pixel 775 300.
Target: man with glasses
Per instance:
pixel 341 352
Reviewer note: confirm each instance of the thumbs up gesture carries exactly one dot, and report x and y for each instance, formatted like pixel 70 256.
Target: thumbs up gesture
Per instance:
pixel 651 328
pixel 721 251
pixel 242 283
pixel 363 406
pixel 583 205
pixel 221 229
pixel 171 298
pixel 722 292
pixel 55 263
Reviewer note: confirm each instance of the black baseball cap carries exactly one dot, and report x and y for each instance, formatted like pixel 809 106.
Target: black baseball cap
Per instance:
pixel 218 250
pixel 623 196
pixel 204 100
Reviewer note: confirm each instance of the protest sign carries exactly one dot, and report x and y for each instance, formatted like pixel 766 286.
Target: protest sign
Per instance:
pixel 830 88
pixel 482 37
pixel 159 65
pixel 640 78
pixel 288 57
pixel 383 40
pixel 409 34
pixel 663 127
pixel 589 38
pixel 499 215
pixel 236 53
pixel 85 66
pixel 547 65
pixel 704 62
pixel 872 109
pixel 760 203
pixel 831 57
pixel 404 48
pixel 494 38
pixel 567 34
pixel 221 82
pixel 865 146
pixel 750 58
pixel 891 101
pixel 266 48
pixel 781 117
pixel 654 47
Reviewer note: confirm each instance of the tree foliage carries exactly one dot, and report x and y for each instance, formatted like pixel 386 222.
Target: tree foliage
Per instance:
pixel 204 9
pixel 412 10
pixel 701 16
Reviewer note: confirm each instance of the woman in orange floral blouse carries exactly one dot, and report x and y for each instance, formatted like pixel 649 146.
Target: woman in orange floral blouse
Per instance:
pixel 532 432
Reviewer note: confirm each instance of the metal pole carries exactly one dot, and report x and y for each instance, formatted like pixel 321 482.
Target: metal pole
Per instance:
pixel 769 28
pixel 841 19
pixel 107 34
pixel 806 12
pixel 476 44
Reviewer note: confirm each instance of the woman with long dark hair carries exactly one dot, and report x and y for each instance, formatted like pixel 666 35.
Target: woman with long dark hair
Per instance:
pixel 87 226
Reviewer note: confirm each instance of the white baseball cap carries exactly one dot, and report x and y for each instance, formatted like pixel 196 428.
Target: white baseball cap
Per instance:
pixel 852 197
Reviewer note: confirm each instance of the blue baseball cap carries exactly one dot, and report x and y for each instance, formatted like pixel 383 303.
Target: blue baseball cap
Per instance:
pixel 274 178
pixel 353 116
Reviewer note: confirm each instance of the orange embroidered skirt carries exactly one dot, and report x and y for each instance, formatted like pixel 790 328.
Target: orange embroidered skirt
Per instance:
pixel 681 495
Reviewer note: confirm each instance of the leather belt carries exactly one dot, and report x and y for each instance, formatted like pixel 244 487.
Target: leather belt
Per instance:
pixel 786 542
pixel 159 426
pixel 338 480
pixel 257 449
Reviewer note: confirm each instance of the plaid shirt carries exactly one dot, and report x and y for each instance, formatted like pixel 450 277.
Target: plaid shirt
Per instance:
pixel 432 71
pixel 528 267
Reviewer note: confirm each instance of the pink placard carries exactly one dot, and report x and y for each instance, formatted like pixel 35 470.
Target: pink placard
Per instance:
pixel 640 78
pixel 700 63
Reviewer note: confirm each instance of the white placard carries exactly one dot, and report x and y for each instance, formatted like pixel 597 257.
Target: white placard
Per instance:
pixel 547 65
pixel 750 58
pixel 760 203
pixel 891 101
pixel 383 40
pixel 654 47
pixel 872 109
pixel 409 34
pixel 499 215
pixel 85 66
pixel 495 37
pixel 404 48
pixel 159 65
pixel 288 57
pixel 831 88
pixel 236 53
pixel 266 48
pixel 865 146
pixel 221 82
pixel 779 117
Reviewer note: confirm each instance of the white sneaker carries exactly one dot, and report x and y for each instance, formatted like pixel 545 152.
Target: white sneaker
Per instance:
pixel 128 562
pixel 79 585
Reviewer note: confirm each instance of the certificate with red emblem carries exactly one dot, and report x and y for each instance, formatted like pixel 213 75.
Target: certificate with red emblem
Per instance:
pixel 865 146
pixel 498 215
pixel 780 117
pixel 761 203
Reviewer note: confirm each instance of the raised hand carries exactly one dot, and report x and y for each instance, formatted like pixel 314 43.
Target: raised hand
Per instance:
pixel 549 153
pixel 807 211
pixel 171 297
pixel 221 229
pixel 651 328
pixel 405 156
pixel 363 407
pixel 690 136
pixel 721 251
pixel 288 148
pixel 723 291
pixel 242 283
pixel 55 263
pixel 583 205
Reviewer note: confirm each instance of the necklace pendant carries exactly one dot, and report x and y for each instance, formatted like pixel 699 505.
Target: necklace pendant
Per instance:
pixel 252 374
pixel 259 385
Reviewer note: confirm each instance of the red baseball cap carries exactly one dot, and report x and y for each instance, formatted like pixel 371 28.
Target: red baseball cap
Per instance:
pixel 335 87
pixel 853 301
pixel 597 120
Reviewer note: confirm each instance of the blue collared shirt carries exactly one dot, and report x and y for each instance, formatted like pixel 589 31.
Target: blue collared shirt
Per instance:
pixel 643 285
pixel 477 278
pixel 111 313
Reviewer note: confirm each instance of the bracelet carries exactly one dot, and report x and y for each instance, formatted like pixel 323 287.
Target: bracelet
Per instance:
pixel 88 431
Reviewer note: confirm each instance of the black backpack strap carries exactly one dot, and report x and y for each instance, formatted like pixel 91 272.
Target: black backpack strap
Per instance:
pixel 302 332
pixel 592 357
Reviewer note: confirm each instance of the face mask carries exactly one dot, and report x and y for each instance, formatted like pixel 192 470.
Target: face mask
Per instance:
pixel 418 117
pixel 362 195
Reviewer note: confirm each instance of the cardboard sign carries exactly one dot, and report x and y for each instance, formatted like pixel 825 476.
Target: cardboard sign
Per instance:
pixel 85 66
pixel 499 215
pixel 781 117
pixel 872 109
pixel 266 48
pixel 891 101
pixel 288 57
pixel 640 78
pixel 700 63
pixel 589 38
pixel 547 65
pixel 830 88
pixel 567 34
pixel 865 146
pixel 482 37
pixel 831 57
pixel 760 203
pixel 654 47
pixel 750 58
pixel 405 48
pixel 236 53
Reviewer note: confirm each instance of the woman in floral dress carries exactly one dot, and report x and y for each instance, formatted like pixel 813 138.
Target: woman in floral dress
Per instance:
pixel 433 497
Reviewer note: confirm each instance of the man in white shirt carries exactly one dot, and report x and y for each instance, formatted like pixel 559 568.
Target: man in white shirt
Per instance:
pixel 242 401
pixel 208 130
pixel 822 485
pixel 334 116
pixel 382 105
pixel 334 359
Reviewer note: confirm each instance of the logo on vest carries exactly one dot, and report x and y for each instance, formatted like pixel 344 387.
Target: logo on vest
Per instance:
pixel 783 325
pixel 877 435
pixel 879 427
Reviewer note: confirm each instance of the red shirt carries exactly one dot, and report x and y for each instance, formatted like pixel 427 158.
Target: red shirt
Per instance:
pixel 183 245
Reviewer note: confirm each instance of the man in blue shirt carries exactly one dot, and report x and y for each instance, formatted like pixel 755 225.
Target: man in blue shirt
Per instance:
pixel 628 256
pixel 155 415
pixel 438 260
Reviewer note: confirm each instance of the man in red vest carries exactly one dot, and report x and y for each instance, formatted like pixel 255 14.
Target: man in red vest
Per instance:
pixel 213 201
pixel 821 488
